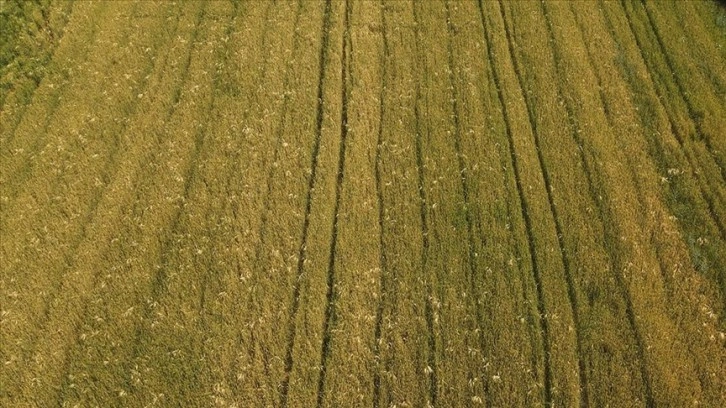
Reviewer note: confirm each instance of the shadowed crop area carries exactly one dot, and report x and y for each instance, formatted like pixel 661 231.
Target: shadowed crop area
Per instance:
pixel 349 203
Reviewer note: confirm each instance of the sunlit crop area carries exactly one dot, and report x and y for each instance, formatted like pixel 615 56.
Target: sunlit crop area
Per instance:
pixel 350 203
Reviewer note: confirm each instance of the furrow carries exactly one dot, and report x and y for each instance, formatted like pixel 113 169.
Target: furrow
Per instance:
pixel 461 166
pixel 86 220
pixel 7 139
pixel 425 240
pixel 574 133
pixel 330 311
pixel 683 94
pixel 383 261
pixel 279 133
pixel 525 213
pixel 210 214
pixel 232 205
pixel 302 251
pixel 707 195
pixel 25 166
pixel 610 235
pixel 158 282
pixel 532 322
pixel 95 215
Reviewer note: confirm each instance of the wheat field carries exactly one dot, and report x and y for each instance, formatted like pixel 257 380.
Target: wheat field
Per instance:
pixel 349 203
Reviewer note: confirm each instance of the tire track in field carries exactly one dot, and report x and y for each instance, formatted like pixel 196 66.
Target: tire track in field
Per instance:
pixel 591 61
pixel 202 311
pixel 667 281
pixel 209 215
pixel 571 286
pixel 302 251
pixel 262 234
pixel 611 236
pixel 383 256
pixel 160 276
pixel 471 253
pixel 158 284
pixel 261 79
pixel 109 170
pixel 703 185
pixel 234 208
pixel 25 169
pixel 425 242
pixel 495 76
pixel 588 170
pixel 662 160
pixel 704 188
pixel 51 57
pixel 525 208
pixel 681 90
pixel 279 132
pixel 331 296
pixel 610 120
pixel 612 125
pixel 702 16
pixel 652 73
